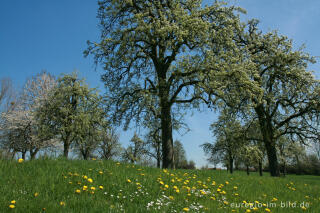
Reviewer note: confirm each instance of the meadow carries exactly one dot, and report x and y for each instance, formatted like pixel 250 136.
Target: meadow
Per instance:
pixel 60 185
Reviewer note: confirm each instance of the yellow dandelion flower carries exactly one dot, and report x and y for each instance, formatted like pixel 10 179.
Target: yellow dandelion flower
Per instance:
pixel 93 188
pixel 226 202
pixel 13 202
pixel 100 172
pixel 213 183
pixel 186 209
pixel 78 191
pixel 274 199
pixel 227 182
pixel 85 177
pixel 12 206
pixel 62 203
pixel 212 198
pixel 91 192
pixel 84 188
pixel 90 180
pixel 235 187
pixel 267 210
pixel 177 190
pixel 166 186
pixel 100 187
pixel 36 194
pixel 236 194
pixel 248 210
pixel 303 208
pixel 128 180
pixel 255 209
pixel 20 160
pixel 171 197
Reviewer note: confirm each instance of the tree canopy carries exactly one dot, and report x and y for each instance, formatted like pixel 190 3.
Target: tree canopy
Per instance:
pixel 160 50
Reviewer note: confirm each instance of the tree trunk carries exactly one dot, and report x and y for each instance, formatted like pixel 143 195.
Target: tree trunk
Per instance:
pixel 260 168
pixel 23 155
pixel 272 158
pixel 267 135
pixel 298 165
pixel 66 146
pixel 158 158
pixel 167 142
pixel 85 154
pixel 231 164
pixel 248 173
pixel 33 153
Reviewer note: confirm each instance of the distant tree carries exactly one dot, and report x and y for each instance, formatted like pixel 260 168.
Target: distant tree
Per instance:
pixel 109 146
pixel 153 145
pixel 135 150
pixel 20 126
pixel 253 137
pixel 189 165
pixel 91 125
pixel 180 158
pixel 250 155
pixel 229 138
pixel 160 49
pixel 71 113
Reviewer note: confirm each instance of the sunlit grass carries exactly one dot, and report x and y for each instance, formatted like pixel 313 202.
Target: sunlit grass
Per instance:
pixel 106 186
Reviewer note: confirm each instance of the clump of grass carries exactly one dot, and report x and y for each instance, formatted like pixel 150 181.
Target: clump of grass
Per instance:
pixel 105 186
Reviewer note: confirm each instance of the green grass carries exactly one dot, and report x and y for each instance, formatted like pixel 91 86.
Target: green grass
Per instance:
pixel 130 188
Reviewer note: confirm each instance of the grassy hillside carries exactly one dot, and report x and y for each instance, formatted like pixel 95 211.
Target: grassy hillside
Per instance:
pixel 106 186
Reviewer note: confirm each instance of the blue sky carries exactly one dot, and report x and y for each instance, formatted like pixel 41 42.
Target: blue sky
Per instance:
pixel 51 35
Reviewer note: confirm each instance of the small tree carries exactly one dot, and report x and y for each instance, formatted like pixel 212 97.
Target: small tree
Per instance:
pixel 229 138
pixel 180 158
pixel 109 146
pixel 250 155
pixel 71 113
pixel 135 150
pixel 20 126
